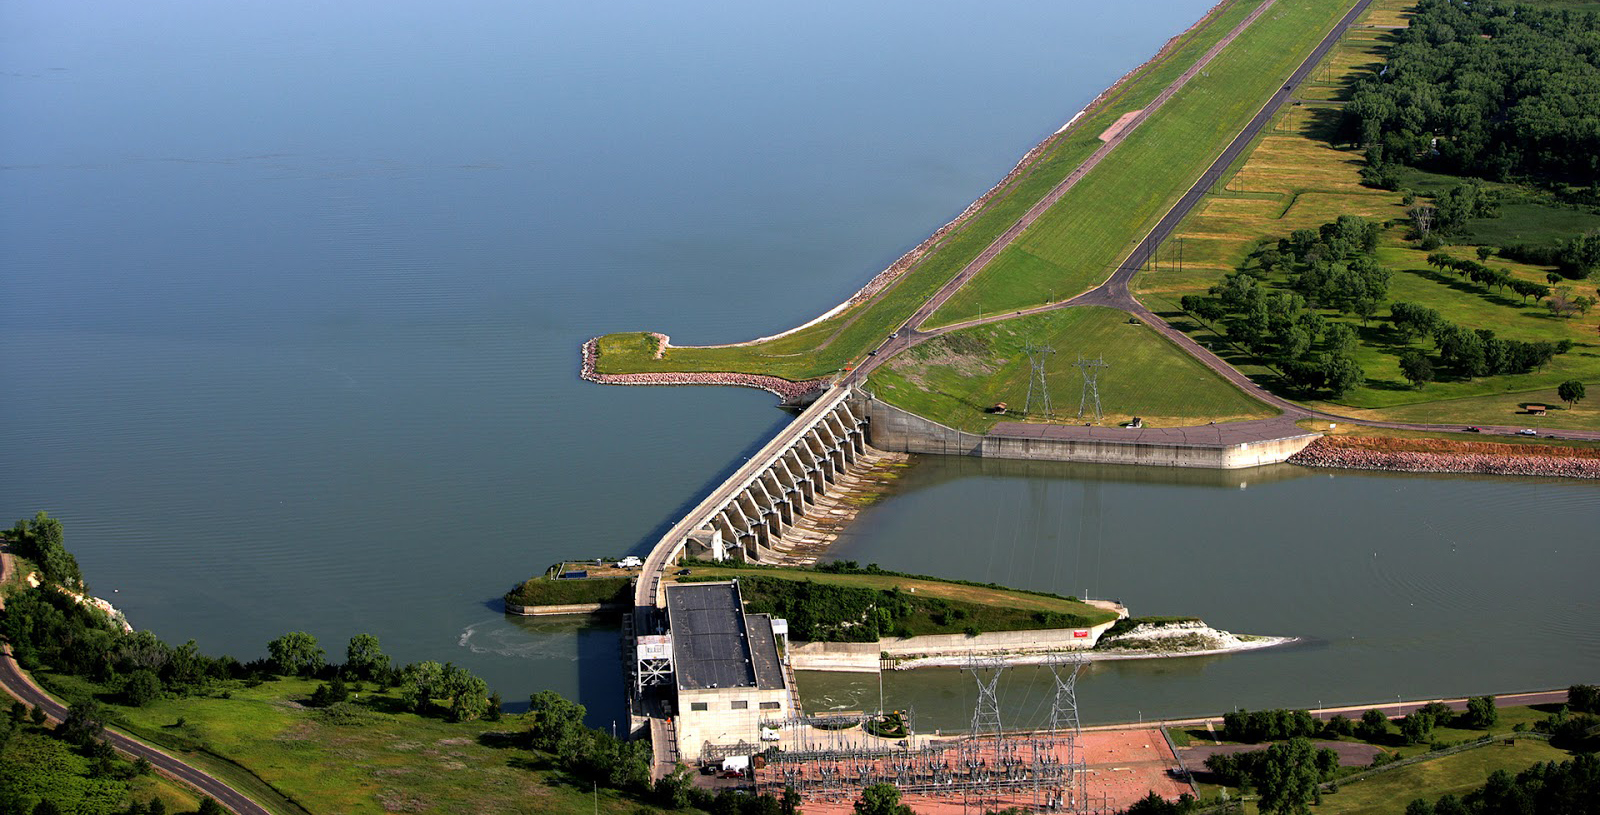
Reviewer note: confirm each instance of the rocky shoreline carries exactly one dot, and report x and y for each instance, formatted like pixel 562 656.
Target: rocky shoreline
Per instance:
pixel 1445 456
pixel 785 389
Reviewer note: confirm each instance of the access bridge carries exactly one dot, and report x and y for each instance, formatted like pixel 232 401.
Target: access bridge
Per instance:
pixel 743 517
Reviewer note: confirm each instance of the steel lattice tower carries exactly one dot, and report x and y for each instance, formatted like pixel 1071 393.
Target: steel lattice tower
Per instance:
pixel 1036 358
pixel 1091 384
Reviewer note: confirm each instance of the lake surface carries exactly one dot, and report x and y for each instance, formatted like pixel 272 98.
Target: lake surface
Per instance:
pixel 293 292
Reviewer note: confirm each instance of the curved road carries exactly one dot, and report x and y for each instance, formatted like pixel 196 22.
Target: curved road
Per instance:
pixel 17 683
pixel 1114 292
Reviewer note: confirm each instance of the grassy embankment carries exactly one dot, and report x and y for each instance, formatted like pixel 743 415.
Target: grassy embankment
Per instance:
pixel 372 759
pixel 1079 242
pixel 547 590
pixel 1295 177
pixel 984 608
pixel 952 379
pixel 829 345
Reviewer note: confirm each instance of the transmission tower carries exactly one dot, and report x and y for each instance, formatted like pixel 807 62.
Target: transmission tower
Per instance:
pixel 1036 359
pixel 1091 384
pixel 986 713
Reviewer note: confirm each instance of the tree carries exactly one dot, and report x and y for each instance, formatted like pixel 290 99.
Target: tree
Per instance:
pixel 672 790
pixel 1417 728
pixel 85 721
pixel 881 799
pixel 209 806
pixel 1415 366
pixel 141 688
pixel 363 658
pixel 1584 698
pixel 1373 727
pixel 468 694
pixel 557 722
pixel 1571 392
pixel 1154 804
pixel 1485 252
pixel 1287 777
pixel 1481 712
pixel 296 653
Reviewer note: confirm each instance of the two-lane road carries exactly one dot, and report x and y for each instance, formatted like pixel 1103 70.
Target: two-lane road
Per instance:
pixel 14 681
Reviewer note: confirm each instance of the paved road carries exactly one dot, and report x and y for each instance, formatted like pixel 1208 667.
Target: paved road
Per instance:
pixel 1114 292
pixel 909 333
pixel 17 683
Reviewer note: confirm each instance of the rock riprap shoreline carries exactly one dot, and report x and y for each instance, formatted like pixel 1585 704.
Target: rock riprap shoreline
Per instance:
pixel 786 390
pixel 1448 456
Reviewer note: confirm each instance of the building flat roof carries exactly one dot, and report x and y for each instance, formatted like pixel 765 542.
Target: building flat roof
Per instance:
pixel 764 652
pixel 710 646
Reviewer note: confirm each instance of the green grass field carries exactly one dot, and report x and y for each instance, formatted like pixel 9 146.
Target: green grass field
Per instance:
pixel 1295 178
pixel 1457 774
pixel 295 759
pixel 1079 242
pixel 953 379
pixel 828 346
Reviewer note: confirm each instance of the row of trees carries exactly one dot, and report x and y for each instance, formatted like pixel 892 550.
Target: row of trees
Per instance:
pixel 1499 279
pixel 1494 90
pixel 50 629
pixel 1466 352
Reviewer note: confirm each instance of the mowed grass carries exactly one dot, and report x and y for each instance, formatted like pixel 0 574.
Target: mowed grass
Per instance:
pixel 295 759
pixel 923 587
pixel 828 346
pixel 1295 178
pixel 954 379
pixel 1083 237
pixel 1388 793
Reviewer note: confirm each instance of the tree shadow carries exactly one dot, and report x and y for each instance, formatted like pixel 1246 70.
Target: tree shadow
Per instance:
pixel 502 739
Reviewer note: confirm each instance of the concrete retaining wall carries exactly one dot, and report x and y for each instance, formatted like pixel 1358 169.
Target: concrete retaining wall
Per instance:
pixel 896 430
pixel 867 656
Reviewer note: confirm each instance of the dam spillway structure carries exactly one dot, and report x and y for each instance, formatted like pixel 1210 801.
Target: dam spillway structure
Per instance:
pixel 756 516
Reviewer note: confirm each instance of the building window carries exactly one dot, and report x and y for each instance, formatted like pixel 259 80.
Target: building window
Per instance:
pixel 771 705
pixel 697 705
pixel 741 705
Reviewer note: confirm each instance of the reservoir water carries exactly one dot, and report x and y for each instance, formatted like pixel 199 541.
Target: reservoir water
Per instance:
pixel 292 295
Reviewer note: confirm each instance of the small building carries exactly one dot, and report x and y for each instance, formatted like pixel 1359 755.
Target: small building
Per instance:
pixel 1538 410
pixel 728 677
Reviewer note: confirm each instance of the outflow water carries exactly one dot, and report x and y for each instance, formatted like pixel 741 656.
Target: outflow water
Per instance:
pixel 293 293
pixel 1419 586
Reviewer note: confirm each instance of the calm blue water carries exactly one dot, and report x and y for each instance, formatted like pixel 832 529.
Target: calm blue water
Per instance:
pixel 292 291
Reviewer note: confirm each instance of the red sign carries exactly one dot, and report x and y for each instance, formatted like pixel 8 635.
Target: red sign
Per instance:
pixel 1080 634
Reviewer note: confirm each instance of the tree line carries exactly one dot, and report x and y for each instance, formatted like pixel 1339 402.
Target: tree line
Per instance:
pixel 1489 89
pixel 1466 352
pixel 48 628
